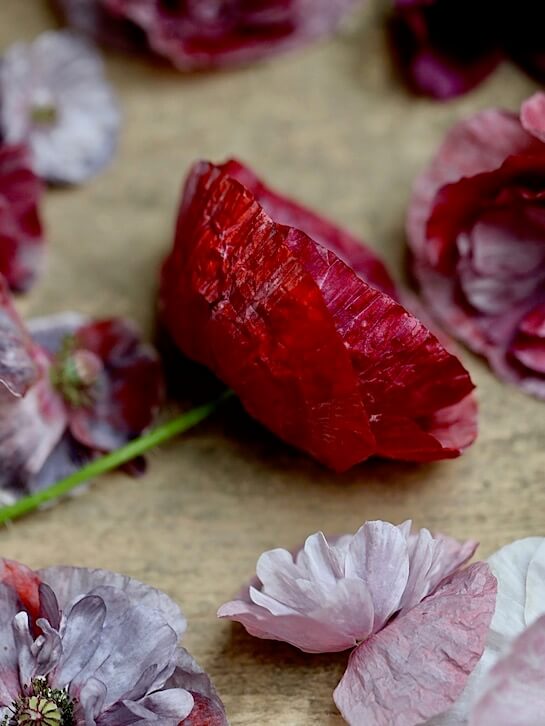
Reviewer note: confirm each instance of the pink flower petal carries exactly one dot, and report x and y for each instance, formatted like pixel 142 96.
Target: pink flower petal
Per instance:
pixel 418 665
pixel 514 689
pixel 532 115
pixel 378 556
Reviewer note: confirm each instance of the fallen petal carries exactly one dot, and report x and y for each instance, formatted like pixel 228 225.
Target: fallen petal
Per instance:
pixel 418 665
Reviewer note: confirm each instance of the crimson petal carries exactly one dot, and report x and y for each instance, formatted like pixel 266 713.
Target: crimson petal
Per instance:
pixel 21 234
pixel 325 360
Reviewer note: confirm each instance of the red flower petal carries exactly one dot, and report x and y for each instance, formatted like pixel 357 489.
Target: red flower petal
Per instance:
pixel 21 236
pixel 326 361
pixel 208 34
pixel 206 712
pixel 285 211
pixel 25 582
pixel 129 391
pixel 418 665
pixel 475 145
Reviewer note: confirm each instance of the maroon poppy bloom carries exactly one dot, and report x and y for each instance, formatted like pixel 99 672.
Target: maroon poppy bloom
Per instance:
pixel 313 345
pixel 476 226
pixel 195 34
pixel 445 47
pixel 21 234
pixel 70 388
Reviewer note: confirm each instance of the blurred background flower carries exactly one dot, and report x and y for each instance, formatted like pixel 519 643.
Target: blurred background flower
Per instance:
pixel 55 99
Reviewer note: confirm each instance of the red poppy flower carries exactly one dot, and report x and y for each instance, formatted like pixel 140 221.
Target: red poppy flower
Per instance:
pixel 196 34
pixel 21 234
pixel 444 48
pixel 476 226
pixel 256 289
pixel 69 388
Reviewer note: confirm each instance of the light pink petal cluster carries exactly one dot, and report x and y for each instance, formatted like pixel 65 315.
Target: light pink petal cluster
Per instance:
pixel 418 621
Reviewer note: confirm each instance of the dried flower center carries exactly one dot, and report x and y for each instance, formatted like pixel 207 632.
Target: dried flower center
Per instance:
pixel 75 372
pixel 42 706
pixel 43 114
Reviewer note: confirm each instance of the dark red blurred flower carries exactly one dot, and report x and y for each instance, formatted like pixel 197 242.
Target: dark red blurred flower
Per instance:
pixel 196 34
pixel 69 388
pixel 21 234
pixel 330 363
pixel 522 29
pixel 476 226
pixel 445 47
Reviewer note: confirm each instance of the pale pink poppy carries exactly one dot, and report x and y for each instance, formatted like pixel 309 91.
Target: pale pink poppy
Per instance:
pixel 416 618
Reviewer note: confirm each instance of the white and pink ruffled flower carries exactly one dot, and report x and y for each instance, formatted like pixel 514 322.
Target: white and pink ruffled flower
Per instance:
pixel 507 688
pixel 416 618
pixel 56 100
pixel 83 647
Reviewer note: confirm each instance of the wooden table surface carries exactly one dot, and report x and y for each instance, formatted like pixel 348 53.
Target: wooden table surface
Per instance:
pixel 332 126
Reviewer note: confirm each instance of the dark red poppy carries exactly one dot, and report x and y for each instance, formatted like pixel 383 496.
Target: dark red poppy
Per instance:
pixel 476 226
pixel 196 34
pixel 329 362
pixel 21 233
pixel 445 47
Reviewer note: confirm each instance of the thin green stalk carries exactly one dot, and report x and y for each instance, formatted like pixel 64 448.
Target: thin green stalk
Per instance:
pixel 115 459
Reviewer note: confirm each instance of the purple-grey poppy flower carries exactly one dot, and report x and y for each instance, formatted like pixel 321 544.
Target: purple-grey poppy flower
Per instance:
pixel 55 99
pixel 86 647
pixel 70 388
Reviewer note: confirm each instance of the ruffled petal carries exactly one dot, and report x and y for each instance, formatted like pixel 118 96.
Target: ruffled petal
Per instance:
pixel 478 144
pixel 283 210
pixel 70 583
pixel 208 710
pixel 418 665
pixel 9 675
pixel 513 691
pixel 378 555
pixel 301 337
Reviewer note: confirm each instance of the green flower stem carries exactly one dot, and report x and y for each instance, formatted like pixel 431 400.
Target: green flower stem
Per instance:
pixel 115 459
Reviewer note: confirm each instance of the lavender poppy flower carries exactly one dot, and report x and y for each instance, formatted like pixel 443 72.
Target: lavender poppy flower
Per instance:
pixel 417 620
pixel 56 100
pixel 94 648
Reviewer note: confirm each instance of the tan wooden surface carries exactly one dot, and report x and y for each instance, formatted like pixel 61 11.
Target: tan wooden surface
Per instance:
pixel 332 126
